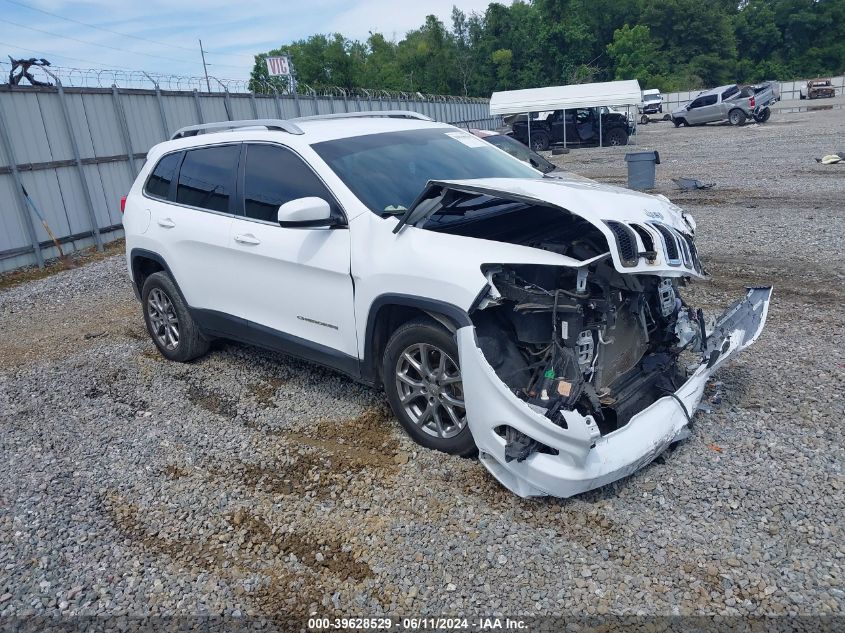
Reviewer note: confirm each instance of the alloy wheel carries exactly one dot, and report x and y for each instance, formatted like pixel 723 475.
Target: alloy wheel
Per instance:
pixel 429 384
pixel 163 319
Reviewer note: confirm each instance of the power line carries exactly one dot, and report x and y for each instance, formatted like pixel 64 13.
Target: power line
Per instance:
pixel 114 48
pixel 135 37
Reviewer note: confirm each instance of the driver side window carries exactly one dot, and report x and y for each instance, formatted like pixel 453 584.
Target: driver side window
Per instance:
pixel 703 101
pixel 273 176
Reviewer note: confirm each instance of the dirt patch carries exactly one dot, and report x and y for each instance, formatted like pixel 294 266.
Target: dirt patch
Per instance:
pixel 172 471
pixel 355 443
pixel 212 402
pixel 252 549
pixel 316 552
pixel 798 282
pixel 264 391
pixel 370 430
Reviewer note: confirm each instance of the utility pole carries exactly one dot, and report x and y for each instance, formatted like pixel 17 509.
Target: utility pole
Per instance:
pixel 202 52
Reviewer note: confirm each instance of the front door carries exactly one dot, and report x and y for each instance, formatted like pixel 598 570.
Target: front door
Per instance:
pixel 701 110
pixel 291 283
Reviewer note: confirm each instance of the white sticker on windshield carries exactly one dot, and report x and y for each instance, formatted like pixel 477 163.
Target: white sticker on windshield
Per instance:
pixel 467 139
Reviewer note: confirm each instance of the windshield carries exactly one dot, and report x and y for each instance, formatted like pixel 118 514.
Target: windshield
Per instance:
pixel 520 151
pixel 388 171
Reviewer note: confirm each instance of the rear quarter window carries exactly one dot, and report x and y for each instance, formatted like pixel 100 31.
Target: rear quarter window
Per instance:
pixel 158 184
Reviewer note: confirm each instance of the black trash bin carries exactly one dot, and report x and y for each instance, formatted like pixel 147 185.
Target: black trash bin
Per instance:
pixel 641 168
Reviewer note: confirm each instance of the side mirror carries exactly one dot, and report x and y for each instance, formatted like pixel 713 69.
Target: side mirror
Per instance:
pixel 305 213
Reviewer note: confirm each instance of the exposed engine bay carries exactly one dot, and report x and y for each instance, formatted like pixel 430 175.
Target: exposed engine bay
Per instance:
pixel 586 339
pixel 582 362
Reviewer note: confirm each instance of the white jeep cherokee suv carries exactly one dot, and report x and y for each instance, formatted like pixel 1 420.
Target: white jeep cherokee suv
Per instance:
pixel 535 319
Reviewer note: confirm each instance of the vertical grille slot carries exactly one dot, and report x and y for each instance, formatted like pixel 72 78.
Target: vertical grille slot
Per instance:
pixel 684 247
pixel 669 243
pixel 693 253
pixel 647 239
pixel 626 242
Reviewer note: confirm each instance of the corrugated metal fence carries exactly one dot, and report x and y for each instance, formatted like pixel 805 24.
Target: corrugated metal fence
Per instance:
pixel 77 150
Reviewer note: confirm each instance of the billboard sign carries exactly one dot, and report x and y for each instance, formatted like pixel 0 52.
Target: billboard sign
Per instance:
pixel 278 66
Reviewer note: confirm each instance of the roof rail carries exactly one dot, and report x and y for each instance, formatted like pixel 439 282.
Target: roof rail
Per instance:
pixel 271 124
pixel 392 114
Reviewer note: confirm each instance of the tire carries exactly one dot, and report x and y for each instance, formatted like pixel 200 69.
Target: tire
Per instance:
pixel 540 141
pixel 420 366
pixel 802 96
pixel 615 137
pixel 764 116
pixel 660 109
pixel 679 122
pixel 737 117
pixel 667 117
pixel 169 323
pixel 644 119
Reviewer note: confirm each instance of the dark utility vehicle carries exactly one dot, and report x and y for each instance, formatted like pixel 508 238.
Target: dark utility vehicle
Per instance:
pixel 582 128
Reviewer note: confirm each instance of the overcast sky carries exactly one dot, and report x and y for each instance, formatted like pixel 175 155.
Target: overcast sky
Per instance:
pixel 231 31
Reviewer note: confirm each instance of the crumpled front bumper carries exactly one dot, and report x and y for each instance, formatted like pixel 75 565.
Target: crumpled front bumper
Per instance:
pixel 586 459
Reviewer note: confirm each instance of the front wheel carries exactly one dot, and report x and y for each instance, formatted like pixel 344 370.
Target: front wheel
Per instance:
pixel 422 380
pixel 679 122
pixel 736 117
pixel 644 119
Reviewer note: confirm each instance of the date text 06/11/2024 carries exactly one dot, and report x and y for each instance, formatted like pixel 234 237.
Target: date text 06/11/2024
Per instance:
pixel 416 624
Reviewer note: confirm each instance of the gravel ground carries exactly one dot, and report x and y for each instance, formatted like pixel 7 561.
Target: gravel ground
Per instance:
pixel 249 483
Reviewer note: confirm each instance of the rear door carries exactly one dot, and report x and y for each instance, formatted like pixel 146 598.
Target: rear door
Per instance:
pixel 295 282
pixel 191 205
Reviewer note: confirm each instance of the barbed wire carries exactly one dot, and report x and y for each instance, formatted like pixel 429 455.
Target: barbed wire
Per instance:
pixel 138 79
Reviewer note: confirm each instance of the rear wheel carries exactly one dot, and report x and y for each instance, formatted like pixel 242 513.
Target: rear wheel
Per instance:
pixel 615 137
pixel 736 117
pixel 168 321
pixel 763 116
pixel 667 117
pixel 539 141
pixel 644 119
pixel 422 380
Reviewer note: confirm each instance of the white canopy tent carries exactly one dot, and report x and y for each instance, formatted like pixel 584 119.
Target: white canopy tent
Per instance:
pixel 607 93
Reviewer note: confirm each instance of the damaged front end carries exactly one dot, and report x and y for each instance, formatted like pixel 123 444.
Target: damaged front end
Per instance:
pixel 577 375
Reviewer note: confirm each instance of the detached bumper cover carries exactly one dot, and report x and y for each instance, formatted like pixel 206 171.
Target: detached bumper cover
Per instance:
pixel 586 460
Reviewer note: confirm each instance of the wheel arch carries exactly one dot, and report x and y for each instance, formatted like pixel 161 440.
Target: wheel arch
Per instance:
pixel 389 311
pixel 144 263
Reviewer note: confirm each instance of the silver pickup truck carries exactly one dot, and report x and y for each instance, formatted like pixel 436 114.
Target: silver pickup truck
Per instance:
pixel 729 103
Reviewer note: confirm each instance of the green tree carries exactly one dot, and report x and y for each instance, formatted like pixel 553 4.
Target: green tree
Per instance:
pixel 668 44
pixel 635 55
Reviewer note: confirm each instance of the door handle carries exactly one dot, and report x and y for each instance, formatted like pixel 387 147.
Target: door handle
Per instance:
pixel 166 223
pixel 247 238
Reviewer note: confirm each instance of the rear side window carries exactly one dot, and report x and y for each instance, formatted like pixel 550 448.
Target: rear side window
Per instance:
pixel 730 92
pixel 274 175
pixel 207 178
pixel 158 184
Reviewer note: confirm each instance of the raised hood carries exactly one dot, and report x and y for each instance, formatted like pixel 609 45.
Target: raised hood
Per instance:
pixel 647 234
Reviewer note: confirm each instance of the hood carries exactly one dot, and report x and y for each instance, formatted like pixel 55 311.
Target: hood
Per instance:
pixel 632 222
